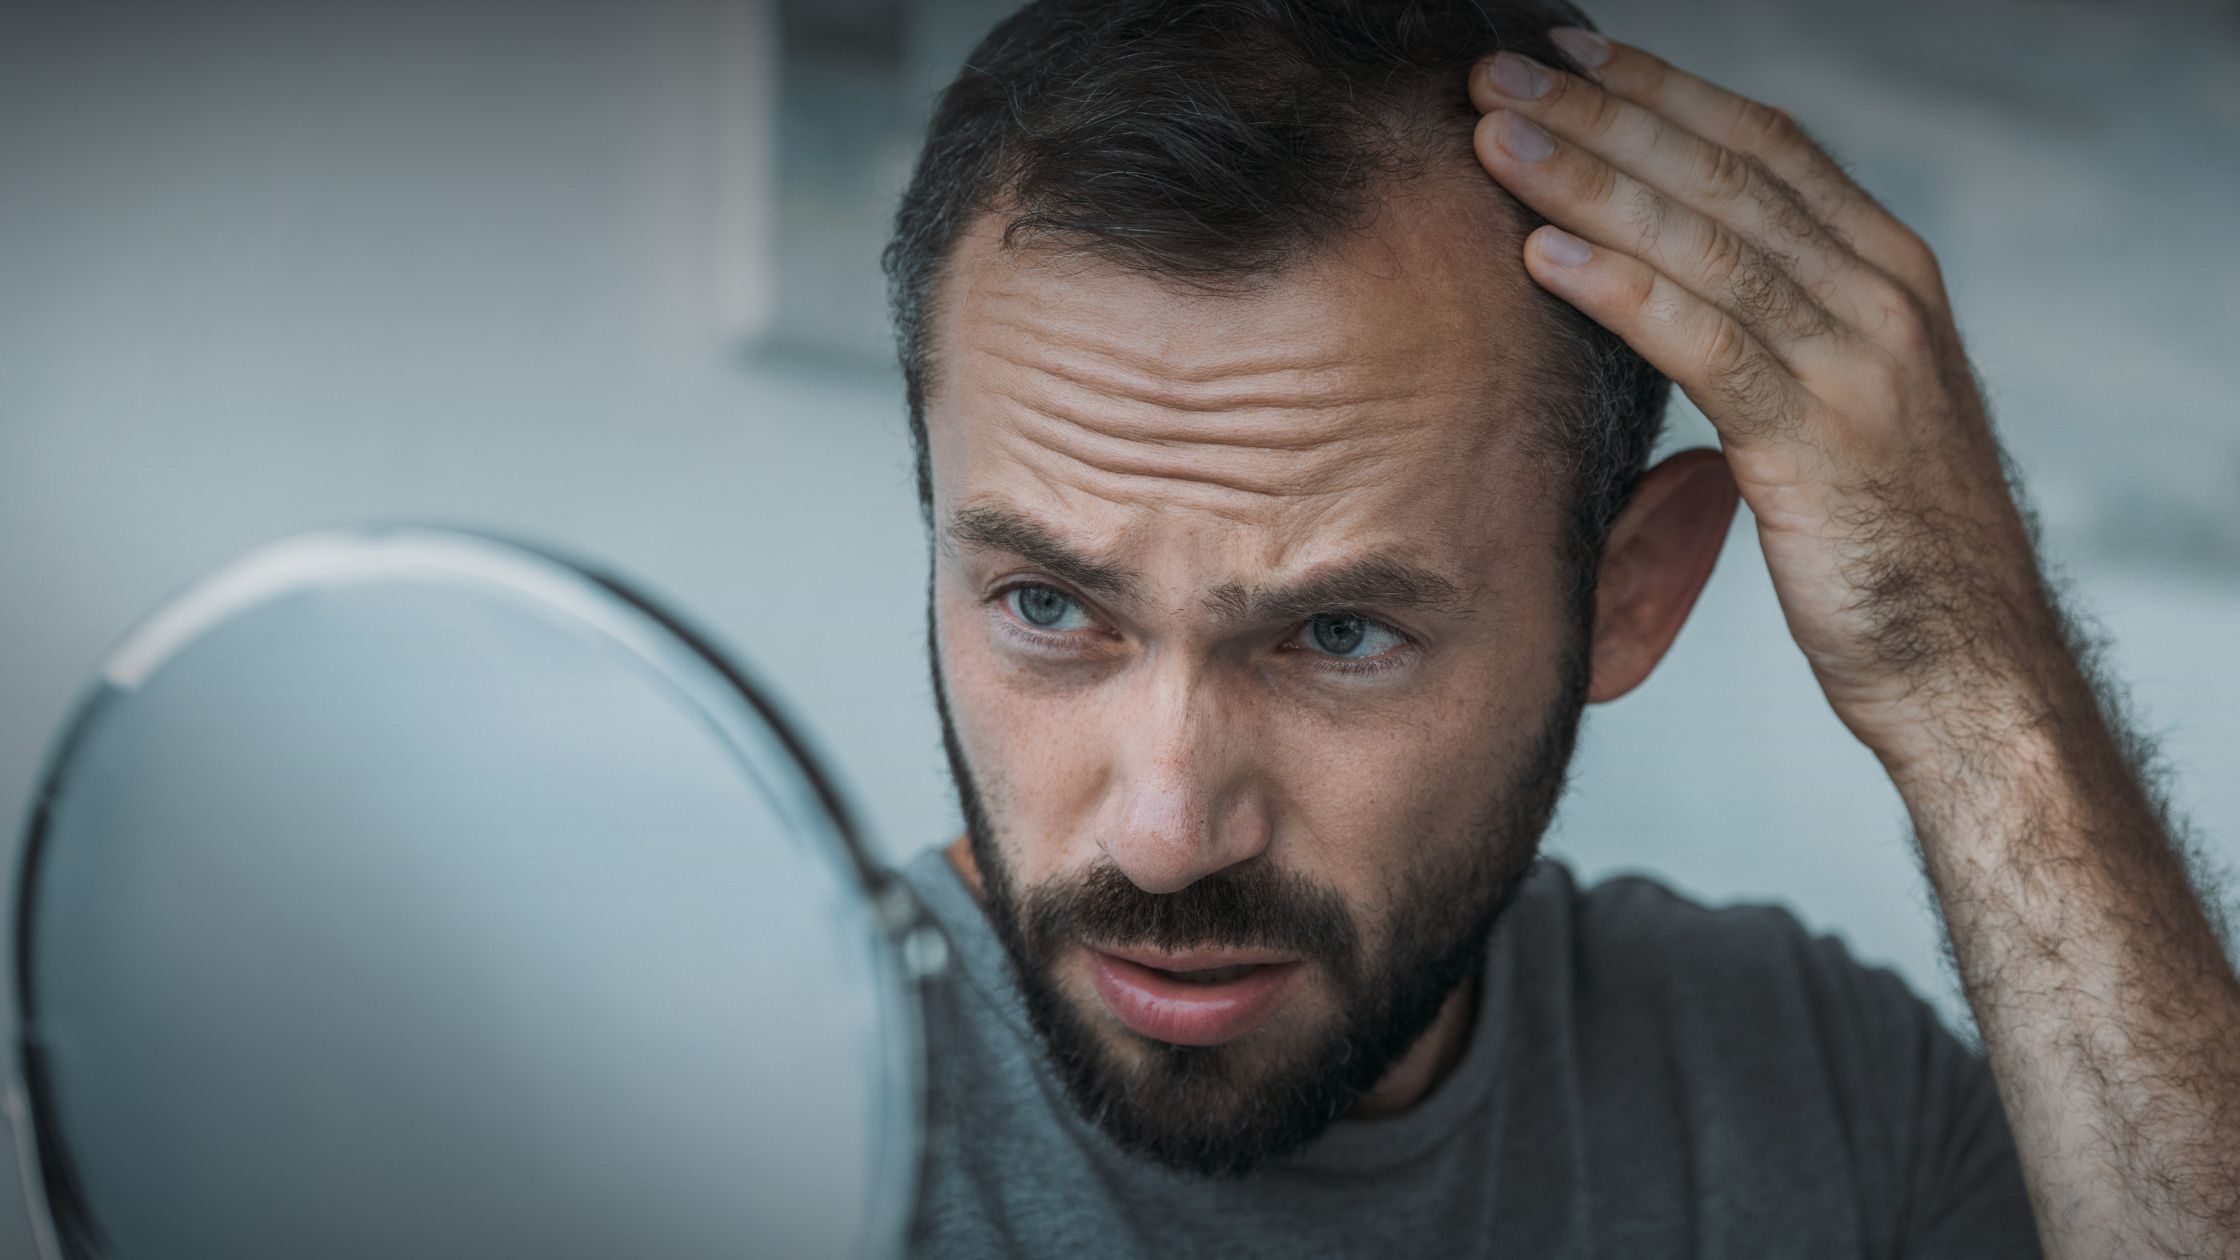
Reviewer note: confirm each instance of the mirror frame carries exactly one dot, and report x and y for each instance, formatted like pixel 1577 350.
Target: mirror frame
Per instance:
pixel 685 662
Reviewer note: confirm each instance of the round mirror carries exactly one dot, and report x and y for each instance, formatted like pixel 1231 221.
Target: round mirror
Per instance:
pixel 402 892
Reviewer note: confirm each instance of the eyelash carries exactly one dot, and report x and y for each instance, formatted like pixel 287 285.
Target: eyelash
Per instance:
pixel 1378 664
pixel 1001 599
pixel 1390 659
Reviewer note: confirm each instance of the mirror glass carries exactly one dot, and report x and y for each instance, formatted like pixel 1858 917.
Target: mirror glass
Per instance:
pixel 402 892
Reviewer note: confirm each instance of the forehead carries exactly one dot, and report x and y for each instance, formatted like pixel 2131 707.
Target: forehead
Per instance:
pixel 1388 384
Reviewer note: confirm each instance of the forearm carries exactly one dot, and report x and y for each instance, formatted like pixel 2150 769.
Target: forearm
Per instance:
pixel 2107 1007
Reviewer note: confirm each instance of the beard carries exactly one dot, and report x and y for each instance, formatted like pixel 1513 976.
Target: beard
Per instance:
pixel 1224 1110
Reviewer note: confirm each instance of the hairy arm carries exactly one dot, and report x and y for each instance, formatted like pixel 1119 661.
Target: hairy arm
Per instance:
pixel 1813 330
pixel 2100 985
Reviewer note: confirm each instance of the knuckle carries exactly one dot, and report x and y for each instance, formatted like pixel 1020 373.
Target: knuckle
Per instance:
pixel 1783 207
pixel 1909 244
pixel 1752 298
pixel 1640 290
pixel 1723 173
pixel 1764 294
pixel 1598 182
pixel 1915 260
pixel 1765 127
pixel 1634 134
pixel 1647 75
pixel 1898 318
pixel 1722 255
pixel 1726 348
pixel 1756 400
pixel 1875 387
pixel 1651 214
pixel 1908 327
pixel 1596 109
pixel 1879 293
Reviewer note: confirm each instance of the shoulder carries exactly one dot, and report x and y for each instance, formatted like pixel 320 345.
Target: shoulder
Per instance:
pixel 1765 1049
pixel 1635 914
pixel 1742 1004
pixel 1634 937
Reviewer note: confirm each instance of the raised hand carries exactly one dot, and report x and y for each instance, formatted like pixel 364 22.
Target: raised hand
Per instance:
pixel 1813 330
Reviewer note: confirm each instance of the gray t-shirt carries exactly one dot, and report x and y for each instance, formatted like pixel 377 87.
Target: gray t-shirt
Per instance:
pixel 1645 1077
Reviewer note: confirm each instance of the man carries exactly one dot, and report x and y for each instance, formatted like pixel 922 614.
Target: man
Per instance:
pixel 1282 373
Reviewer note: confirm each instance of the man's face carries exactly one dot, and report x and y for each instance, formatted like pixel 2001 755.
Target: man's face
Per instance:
pixel 1258 664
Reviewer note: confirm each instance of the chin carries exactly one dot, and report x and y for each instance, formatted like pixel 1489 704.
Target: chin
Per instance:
pixel 1212 1111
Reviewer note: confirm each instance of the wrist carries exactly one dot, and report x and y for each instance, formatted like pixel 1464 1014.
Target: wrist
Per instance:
pixel 1992 733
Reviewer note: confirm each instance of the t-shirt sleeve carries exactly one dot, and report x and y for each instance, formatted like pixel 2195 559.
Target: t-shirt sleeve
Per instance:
pixel 1811 1082
pixel 1926 1120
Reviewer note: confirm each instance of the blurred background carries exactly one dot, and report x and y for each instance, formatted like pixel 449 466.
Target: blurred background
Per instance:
pixel 604 275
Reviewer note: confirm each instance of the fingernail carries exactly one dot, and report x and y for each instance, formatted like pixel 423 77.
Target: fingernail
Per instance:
pixel 1519 78
pixel 1522 138
pixel 1563 248
pixel 1581 45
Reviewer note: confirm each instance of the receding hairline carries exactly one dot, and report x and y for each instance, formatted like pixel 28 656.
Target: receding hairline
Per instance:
pixel 1473 208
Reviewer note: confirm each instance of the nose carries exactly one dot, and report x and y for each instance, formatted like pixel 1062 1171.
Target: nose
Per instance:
pixel 1186 800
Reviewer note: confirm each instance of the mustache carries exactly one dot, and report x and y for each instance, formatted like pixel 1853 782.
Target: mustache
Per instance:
pixel 1251 906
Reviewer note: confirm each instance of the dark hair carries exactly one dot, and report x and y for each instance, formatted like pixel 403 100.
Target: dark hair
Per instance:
pixel 1213 141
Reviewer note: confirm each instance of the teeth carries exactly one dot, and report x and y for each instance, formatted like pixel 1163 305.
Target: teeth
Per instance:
pixel 1215 975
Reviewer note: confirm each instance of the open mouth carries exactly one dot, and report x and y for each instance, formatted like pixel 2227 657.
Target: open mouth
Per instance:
pixel 1191 1006
pixel 1211 975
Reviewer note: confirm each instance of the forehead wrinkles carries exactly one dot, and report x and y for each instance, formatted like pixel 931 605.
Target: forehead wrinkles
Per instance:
pixel 1299 412
pixel 1388 366
pixel 1274 337
pixel 1260 443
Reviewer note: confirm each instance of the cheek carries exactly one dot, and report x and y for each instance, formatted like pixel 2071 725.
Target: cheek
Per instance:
pixel 1038 762
pixel 1370 800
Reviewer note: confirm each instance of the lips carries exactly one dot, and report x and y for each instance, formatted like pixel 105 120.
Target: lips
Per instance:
pixel 1230 993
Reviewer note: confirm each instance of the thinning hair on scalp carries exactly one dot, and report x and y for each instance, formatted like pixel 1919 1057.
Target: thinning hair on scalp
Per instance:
pixel 1212 142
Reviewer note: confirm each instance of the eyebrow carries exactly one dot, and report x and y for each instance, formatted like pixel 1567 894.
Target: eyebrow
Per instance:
pixel 1001 529
pixel 1378 581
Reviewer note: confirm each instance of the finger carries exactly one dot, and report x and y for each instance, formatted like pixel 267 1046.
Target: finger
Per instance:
pixel 1733 120
pixel 1733 187
pixel 1738 384
pixel 1605 205
pixel 1773 137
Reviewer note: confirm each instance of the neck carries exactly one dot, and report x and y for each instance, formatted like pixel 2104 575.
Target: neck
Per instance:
pixel 1431 1060
pixel 1418 1072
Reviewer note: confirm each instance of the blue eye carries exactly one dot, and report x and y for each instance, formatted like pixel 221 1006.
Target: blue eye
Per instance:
pixel 1045 608
pixel 1350 636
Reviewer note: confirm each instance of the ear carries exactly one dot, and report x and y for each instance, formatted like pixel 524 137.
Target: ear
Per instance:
pixel 1654 564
